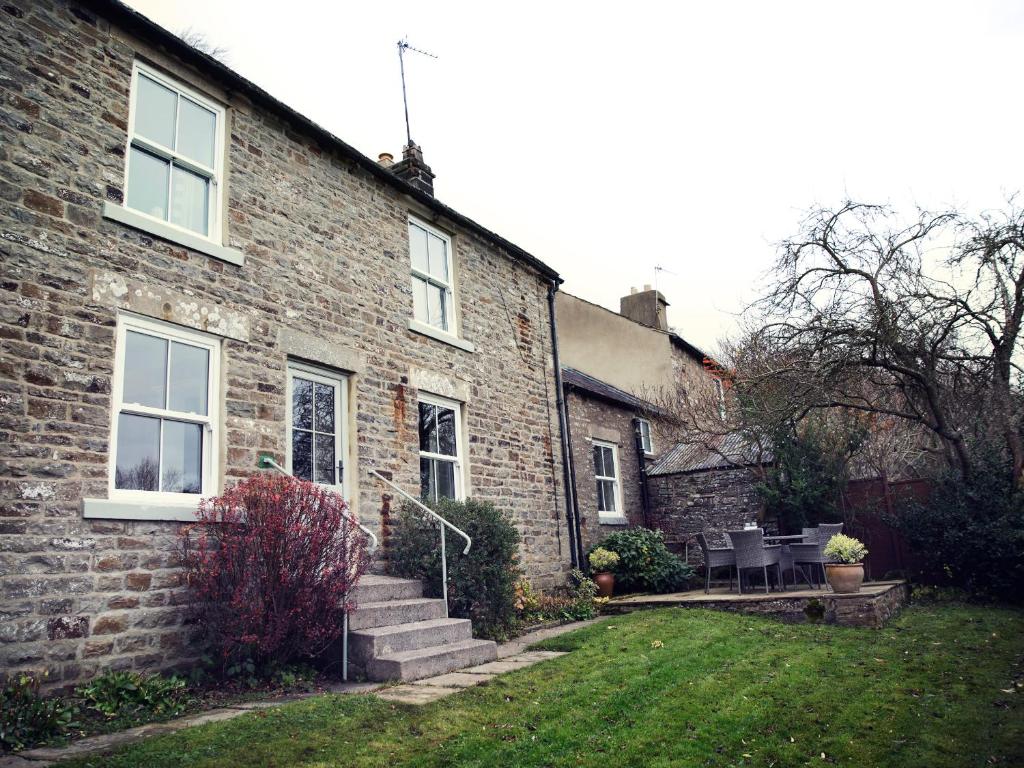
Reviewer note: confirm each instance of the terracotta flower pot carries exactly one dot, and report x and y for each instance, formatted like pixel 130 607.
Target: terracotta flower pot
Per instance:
pixel 605 584
pixel 845 578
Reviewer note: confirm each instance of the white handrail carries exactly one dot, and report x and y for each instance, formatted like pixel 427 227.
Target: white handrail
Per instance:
pixel 269 462
pixel 444 524
pixel 423 507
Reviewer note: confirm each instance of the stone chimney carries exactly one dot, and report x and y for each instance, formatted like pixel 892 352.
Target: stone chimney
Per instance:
pixel 646 307
pixel 412 168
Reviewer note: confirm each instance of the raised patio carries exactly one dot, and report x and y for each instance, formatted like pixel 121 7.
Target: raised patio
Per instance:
pixel 873 606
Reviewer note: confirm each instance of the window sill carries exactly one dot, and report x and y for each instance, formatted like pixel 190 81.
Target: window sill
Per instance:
pixel 609 520
pixel 428 330
pixel 112 509
pixel 164 231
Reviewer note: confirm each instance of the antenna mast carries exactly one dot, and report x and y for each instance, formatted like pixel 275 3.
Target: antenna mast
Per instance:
pixel 403 46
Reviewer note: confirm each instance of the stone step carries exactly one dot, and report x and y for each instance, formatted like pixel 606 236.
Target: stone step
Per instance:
pixel 373 588
pixel 427 662
pixel 390 612
pixel 365 644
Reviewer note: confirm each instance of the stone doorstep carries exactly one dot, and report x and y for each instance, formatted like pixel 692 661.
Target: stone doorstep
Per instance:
pixel 420 692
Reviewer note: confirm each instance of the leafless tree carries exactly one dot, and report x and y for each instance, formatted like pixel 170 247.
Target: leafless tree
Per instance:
pixel 201 42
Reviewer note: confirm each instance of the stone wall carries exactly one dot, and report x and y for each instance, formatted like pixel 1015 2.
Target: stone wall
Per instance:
pixel 593 418
pixel 325 279
pixel 711 501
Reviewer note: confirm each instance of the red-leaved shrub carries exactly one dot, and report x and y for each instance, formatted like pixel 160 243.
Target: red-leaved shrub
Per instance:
pixel 270 565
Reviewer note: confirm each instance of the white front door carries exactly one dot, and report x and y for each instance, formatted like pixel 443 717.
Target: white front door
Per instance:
pixel 317 414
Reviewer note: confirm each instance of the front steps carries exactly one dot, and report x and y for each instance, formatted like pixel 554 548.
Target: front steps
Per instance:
pixel 397 634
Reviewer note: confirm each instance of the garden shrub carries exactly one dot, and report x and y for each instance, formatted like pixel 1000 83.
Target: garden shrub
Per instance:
pixel 482 584
pixel 28 718
pixel 270 565
pixel 645 564
pixel 971 532
pixel 131 695
pixel 577 601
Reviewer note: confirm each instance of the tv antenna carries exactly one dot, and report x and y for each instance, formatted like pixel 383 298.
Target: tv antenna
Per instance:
pixel 658 269
pixel 403 46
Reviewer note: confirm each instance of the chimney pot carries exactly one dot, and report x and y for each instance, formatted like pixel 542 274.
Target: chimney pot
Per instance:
pixel 647 286
pixel 632 290
pixel 385 159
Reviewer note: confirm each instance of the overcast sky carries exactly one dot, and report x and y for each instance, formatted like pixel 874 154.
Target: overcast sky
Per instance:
pixel 607 139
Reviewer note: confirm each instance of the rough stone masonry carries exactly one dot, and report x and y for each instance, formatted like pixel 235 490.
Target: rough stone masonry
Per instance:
pixel 325 280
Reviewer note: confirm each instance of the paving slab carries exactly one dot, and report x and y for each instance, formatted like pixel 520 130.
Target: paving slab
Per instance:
pixel 415 694
pixel 455 680
pixel 13 761
pixel 500 667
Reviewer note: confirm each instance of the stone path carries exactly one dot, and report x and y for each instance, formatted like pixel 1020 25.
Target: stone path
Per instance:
pixel 511 656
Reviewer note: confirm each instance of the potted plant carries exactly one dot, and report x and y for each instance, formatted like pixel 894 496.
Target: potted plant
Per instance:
pixel 847 573
pixel 602 561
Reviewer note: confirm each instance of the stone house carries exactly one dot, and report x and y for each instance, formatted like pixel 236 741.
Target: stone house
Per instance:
pixel 195 276
pixel 624 375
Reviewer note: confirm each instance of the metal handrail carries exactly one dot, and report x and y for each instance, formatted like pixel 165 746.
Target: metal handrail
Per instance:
pixel 267 461
pixel 444 524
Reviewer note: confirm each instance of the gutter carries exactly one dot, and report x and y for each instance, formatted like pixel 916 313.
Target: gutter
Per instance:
pixel 572 516
pixel 135 22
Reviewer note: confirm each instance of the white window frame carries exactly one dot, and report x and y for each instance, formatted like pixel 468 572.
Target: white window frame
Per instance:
pixel 619 513
pixel 340 382
pixel 210 422
pixel 431 280
pixel 214 174
pixel 648 444
pixel 455 405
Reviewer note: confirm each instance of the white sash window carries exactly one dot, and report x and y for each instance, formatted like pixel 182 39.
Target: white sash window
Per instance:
pixel 440 448
pixel 606 473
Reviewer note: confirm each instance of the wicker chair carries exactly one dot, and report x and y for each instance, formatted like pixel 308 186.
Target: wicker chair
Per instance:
pixel 715 558
pixel 813 553
pixel 752 553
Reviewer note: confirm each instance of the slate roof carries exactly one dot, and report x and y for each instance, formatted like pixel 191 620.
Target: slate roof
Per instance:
pixel 719 452
pixel 149 30
pixel 573 378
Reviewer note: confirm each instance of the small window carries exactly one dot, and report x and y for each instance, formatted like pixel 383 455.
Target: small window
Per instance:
pixel 175 140
pixel 646 441
pixel 440 449
pixel 431 254
pixel 316 425
pixel 165 428
pixel 606 472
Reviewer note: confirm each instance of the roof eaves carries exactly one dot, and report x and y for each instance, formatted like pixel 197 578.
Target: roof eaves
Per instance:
pixel 137 22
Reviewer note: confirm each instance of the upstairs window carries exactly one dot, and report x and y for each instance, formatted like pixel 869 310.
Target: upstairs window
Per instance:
pixel 646 441
pixel 440 449
pixel 606 473
pixel 165 426
pixel 431 253
pixel 175 143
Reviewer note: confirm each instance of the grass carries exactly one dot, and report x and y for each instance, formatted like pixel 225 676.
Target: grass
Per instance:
pixel 675 687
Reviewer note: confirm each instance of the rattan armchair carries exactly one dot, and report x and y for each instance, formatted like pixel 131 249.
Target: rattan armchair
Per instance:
pixel 715 558
pixel 813 553
pixel 751 552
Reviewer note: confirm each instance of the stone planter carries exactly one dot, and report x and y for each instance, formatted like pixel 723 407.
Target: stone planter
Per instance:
pixel 845 578
pixel 605 584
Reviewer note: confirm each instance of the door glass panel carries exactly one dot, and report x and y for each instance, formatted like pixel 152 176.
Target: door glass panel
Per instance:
pixel 154 112
pixel 302 455
pixel 324 459
pixel 181 470
pixel 446 431
pixel 138 453
pixel 428 428
pixel 147 183
pixel 324 411
pixel 190 202
pixel 197 132
pixel 438 252
pixel 190 376
pixel 418 248
pixel 445 479
pixel 427 489
pixel 302 403
pixel 145 370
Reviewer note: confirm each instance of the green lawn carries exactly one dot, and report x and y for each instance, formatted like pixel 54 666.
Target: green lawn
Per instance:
pixel 718 689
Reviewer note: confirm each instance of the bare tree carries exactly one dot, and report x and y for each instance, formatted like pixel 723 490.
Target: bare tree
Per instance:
pixel 201 42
